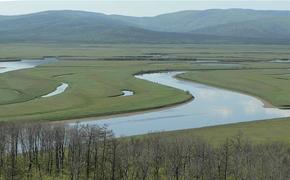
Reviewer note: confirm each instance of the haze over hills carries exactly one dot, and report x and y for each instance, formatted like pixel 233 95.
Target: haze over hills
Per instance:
pixel 77 26
pixel 188 21
pixel 208 26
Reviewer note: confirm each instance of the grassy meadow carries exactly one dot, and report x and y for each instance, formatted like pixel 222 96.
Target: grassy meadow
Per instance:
pixel 230 52
pixel 258 132
pixel 94 84
pixel 92 87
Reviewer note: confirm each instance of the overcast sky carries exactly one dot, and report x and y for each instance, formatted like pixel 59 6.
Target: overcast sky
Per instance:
pixel 136 7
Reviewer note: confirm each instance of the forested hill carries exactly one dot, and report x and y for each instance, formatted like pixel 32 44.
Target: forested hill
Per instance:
pixel 208 26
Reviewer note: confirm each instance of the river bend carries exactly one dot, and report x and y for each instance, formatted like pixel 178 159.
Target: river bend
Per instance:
pixel 211 106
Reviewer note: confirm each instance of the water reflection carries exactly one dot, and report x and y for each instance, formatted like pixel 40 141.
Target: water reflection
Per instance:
pixel 211 106
pixel 127 93
pixel 281 61
pixel 60 89
pixel 23 64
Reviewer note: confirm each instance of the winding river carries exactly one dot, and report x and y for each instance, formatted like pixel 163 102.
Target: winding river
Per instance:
pixel 211 106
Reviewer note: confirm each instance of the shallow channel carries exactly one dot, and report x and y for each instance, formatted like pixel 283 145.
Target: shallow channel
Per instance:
pixel 60 89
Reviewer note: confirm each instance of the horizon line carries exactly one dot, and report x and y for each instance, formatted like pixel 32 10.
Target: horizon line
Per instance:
pixel 111 14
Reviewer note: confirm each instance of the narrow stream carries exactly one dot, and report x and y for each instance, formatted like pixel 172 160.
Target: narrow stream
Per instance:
pixel 60 89
pixel 281 61
pixel 31 63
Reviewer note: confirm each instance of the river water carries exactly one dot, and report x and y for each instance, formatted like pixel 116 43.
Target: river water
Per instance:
pixel 24 64
pixel 211 106
pixel 60 89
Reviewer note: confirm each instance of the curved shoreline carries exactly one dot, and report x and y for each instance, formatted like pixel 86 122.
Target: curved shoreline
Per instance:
pixel 124 113
pixel 267 103
pixel 212 107
pixel 151 109
pixel 58 90
pixel 117 113
pixel 129 112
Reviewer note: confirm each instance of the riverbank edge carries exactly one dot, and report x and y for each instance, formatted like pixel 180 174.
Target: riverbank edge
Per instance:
pixel 108 115
pixel 152 109
pixel 218 134
pixel 267 103
pixel 131 112
pixel 123 113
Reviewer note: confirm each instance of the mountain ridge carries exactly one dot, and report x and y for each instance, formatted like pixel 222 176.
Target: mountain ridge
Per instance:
pixel 198 26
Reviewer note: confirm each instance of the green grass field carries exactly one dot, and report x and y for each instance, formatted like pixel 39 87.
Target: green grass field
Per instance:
pixel 165 52
pixel 264 131
pixel 92 83
pixel 91 87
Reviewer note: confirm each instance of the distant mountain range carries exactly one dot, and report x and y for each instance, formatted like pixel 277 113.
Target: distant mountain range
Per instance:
pixel 208 26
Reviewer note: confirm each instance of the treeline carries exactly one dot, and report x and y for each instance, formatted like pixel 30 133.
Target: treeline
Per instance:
pixel 42 151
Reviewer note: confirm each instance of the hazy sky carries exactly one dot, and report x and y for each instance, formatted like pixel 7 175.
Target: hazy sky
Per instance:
pixel 136 7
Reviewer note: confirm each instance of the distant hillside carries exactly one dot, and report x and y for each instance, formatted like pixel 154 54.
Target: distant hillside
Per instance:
pixel 275 28
pixel 187 21
pixel 77 26
pixel 209 26
pixel 229 22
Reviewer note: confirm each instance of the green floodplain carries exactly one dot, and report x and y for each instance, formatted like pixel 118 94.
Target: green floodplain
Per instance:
pixel 97 74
